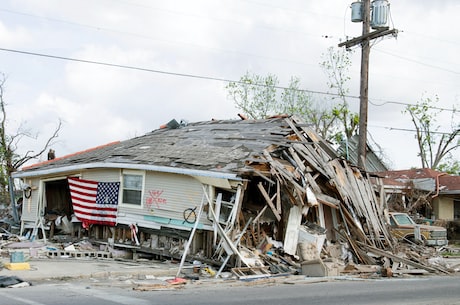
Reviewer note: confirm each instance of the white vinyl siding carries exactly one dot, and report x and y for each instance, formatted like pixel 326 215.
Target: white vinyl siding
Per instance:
pixel 105 175
pixel 30 205
pixel 166 196
pixel 169 195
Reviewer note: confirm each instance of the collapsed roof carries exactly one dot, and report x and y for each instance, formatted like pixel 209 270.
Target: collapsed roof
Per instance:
pixel 243 147
pixel 295 167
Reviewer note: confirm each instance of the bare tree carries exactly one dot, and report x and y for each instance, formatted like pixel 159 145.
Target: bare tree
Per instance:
pixel 435 147
pixel 10 160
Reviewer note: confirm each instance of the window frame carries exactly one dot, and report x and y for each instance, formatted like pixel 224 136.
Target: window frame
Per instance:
pixel 122 186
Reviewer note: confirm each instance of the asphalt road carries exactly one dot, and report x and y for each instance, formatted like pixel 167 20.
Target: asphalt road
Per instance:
pixel 418 290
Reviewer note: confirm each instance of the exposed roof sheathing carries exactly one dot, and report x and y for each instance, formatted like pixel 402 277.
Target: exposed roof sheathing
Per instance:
pixel 219 145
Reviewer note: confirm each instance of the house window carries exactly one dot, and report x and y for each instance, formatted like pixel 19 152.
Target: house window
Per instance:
pixel 132 188
pixel 227 203
pixel 456 209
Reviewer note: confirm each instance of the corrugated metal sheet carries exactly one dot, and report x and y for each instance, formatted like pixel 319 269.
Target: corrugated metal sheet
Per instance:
pixel 425 184
pixel 350 151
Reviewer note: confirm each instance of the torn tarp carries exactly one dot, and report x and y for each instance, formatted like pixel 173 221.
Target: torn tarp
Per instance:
pixel 11 281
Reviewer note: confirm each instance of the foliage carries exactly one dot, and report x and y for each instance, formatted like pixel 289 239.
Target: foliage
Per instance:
pixel 254 95
pixel 258 97
pixel 335 64
pixel 450 166
pixel 435 148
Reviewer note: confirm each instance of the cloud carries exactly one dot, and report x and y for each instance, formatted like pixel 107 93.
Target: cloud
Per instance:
pixel 13 37
pixel 216 39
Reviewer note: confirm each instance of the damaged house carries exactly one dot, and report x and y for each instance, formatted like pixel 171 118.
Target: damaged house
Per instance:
pixel 219 190
pixel 432 195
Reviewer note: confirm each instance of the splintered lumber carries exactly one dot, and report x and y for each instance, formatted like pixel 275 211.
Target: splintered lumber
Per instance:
pixel 299 162
pixel 309 155
pixel 269 201
pixel 360 254
pixel 278 197
pixel 286 174
pixel 260 174
pixel 312 182
pixel 260 214
pixel 328 200
pixel 246 273
pixel 313 136
pixel 403 260
pixel 230 246
pixel 304 163
pixel 161 285
pixel 360 201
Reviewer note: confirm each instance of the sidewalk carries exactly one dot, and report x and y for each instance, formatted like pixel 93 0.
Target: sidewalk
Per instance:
pixel 49 265
pixel 71 268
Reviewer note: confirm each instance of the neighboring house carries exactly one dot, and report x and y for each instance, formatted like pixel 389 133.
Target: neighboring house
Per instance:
pixel 221 178
pixel 349 150
pixel 435 194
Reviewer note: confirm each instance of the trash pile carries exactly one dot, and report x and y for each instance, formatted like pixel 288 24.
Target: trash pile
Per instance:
pixel 321 216
pixel 305 211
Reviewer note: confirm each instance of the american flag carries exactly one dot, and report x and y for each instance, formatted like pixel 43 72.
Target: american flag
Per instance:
pixel 94 202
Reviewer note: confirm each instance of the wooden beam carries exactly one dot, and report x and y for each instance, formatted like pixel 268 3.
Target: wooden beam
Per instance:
pixel 259 214
pixel 401 259
pixel 268 200
pixel 372 35
pixel 278 197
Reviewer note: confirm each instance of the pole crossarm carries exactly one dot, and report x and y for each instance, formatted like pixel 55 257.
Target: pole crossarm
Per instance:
pixel 372 35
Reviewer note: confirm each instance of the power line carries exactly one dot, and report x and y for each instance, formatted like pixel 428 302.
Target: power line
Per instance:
pixel 99 28
pixel 385 102
pixel 412 130
pixel 418 62
pixel 157 71
pixel 202 77
pixel 110 30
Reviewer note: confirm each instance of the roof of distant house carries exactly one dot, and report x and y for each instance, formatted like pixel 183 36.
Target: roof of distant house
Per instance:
pixel 445 183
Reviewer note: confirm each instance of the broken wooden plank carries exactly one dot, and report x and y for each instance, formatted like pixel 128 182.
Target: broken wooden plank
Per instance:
pixel 314 137
pixel 306 154
pixel 246 273
pixel 291 235
pixel 328 200
pixel 260 214
pixel 402 259
pixel 268 200
pixel 298 161
pixel 278 197
pixel 287 175
pixel 312 182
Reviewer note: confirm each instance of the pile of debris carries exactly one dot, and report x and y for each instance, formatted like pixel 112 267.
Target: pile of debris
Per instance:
pixel 315 201
pixel 298 208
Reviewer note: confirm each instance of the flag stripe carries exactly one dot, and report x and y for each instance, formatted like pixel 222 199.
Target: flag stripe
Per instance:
pixel 94 202
pixel 89 209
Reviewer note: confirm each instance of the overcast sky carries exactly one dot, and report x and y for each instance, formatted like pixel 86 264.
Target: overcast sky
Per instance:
pixel 211 39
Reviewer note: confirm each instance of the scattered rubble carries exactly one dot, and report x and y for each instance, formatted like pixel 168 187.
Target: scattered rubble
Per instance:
pixel 311 213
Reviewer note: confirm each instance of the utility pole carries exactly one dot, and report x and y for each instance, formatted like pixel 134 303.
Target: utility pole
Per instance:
pixel 364 86
pixel 364 40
